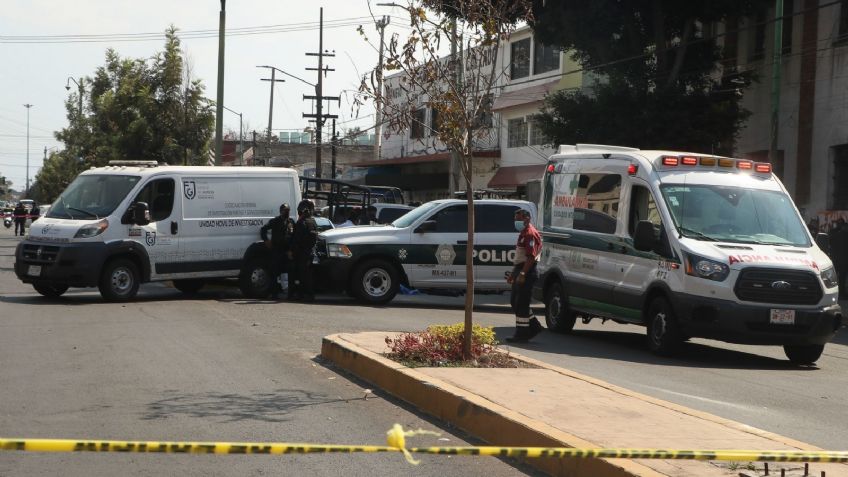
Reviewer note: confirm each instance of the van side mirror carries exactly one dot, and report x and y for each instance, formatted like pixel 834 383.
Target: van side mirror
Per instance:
pixel 427 226
pixel 141 213
pixel 823 241
pixel 644 238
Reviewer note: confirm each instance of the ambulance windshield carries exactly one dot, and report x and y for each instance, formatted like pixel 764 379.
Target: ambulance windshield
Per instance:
pixel 735 214
pixel 91 197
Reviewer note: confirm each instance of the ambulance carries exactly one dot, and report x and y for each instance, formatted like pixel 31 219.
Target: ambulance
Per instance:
pixel 685 244
pixel 132 222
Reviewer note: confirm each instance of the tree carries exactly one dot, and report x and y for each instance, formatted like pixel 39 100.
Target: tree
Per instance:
pixel 456 88
pixel 662 81
pixel 145 109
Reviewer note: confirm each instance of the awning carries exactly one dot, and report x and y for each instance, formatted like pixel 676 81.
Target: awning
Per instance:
pixel 438 157
pixel 516 176
pixel 528 95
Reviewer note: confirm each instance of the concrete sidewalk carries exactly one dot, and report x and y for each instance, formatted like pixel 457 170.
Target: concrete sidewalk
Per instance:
pixel 550 406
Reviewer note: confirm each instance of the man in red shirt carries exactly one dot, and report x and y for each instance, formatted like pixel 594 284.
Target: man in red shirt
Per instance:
pixel 524 274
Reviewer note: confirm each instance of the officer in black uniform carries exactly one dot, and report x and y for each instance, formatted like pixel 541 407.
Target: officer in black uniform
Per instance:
pixel 20 216
pixel 282 230
pixel 302 247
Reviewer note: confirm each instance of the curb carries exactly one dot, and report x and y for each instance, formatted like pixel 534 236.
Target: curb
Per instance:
pixel 473 414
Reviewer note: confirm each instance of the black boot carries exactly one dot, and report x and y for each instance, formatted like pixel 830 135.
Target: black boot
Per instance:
pixel 535 327
pixel 522 335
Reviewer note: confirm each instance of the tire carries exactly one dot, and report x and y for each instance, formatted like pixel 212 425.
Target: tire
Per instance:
pixel 557 315
pixel 50 290
pixel 255 280
pixel 189 286
pixel 119 280
pixel 803 354
pixel 664 336
pixel 375 282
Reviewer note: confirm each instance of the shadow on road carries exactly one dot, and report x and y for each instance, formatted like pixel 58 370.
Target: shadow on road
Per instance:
pixel 624 346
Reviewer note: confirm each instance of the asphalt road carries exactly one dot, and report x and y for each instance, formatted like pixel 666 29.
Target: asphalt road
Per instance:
pixel 218 368
pixel 224 368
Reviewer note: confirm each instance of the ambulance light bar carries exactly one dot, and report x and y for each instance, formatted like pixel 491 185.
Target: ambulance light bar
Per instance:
pixel 740 164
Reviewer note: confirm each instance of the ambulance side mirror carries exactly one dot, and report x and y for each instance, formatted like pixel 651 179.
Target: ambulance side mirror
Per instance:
pixel 141 213
pixel 823 241
pixel 644 238
pixel 427 226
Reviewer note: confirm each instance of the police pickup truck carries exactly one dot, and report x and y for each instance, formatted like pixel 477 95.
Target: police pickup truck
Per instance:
pixel 424 249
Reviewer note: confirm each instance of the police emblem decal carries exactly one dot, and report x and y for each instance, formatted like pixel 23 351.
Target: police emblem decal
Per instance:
pixel 402 254
pixel 150 238
pixel 445 254
pixel 189 189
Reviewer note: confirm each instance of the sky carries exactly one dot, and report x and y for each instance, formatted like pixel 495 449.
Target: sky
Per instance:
pixel 35 71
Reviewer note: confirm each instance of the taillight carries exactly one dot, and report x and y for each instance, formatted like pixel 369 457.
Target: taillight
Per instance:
pixel 550 168
pixel 632 169
pixel 670 161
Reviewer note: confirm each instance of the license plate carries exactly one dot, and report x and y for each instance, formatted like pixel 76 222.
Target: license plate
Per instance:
pixel 782 317
pixel 34 270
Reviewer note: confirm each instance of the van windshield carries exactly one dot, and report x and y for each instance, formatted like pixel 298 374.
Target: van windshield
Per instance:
pixel 414 215
pixel 734 214
pixel 91 197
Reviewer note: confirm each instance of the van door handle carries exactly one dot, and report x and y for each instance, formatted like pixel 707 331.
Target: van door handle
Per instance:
pixel 610 246
pixel 462 242
pixel 623 249
pixel 174 228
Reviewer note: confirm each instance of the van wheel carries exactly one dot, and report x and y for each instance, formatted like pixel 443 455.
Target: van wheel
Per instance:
pixel 119 280
pixel 557 315
pixel 189 287
pixel 664 335
pixel 375 282
pixel 255 279
pixel 50 290
pixel 803 354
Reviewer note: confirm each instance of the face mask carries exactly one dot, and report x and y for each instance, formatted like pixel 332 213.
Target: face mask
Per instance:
pixel 519 225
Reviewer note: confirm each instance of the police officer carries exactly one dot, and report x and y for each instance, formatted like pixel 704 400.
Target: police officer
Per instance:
pixel 35 213
pixel 524 274
pixel 20 215
pixel 302 246
pixel 282 230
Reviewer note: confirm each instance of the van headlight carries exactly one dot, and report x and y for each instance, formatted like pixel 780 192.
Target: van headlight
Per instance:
pixel 706 268
pixel 92 230
pixel 829 278
pixel 337 250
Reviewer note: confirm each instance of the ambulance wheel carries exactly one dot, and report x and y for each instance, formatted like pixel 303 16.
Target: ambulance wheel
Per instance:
pixel 189 287
pixel 119 280
pixel 664 336
pixel 50 290
pixel 255 279
pixel 557 315
pixel 375 282
pixel 803 354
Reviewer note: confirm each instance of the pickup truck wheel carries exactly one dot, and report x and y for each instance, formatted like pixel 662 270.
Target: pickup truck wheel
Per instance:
pixel 375 282
pixel 803 354
pixel 255 279
pixel 189 286
pixel 557 315
pixel 664 335
pixel 50 290
pixel 119 280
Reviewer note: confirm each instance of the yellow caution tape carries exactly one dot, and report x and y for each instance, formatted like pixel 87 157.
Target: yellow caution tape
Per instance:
pixel 396 442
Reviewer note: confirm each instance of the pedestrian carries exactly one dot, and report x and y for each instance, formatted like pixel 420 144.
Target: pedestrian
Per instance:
pixel 35 213
pixel 835 249
pixel 302 248
pixel 839 251
pixel 524 274
pixel 20 215
pixel 282 230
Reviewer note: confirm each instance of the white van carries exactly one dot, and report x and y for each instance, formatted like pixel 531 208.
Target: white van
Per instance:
pixel 688 245
pixel 136 221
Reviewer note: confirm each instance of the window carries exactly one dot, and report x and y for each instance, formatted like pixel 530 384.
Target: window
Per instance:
pixel 494 218
pixel 642 207
pixel 91 197
pixel 159 196
pixel 389 215
pixel 519 59
pixel 434 121
pixel 602 193
pixel 417 127
pixel 731 41
pixel 759 40
pixel 840 177
pixel 484 114
pixel 516 132
pixel 537 137
pixel 545 58
pixel 843 20
pixel 788 20
pixel 452 219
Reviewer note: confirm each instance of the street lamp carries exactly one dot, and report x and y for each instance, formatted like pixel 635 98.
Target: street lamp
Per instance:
pixel 81 91
pixel 241 134
pixel 26 194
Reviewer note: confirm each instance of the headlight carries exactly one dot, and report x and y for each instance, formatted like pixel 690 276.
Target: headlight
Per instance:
pixel 706 268
pixel 829 278
pixel 92 230
pixel 337 250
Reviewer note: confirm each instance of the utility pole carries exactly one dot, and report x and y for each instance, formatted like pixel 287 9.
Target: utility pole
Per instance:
pixel 253 146
pixel 319 97
pixel 775 79
pixel 270 108
pixel 334 141
pixel 378 115
pixel 219 113
pixel 26 194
